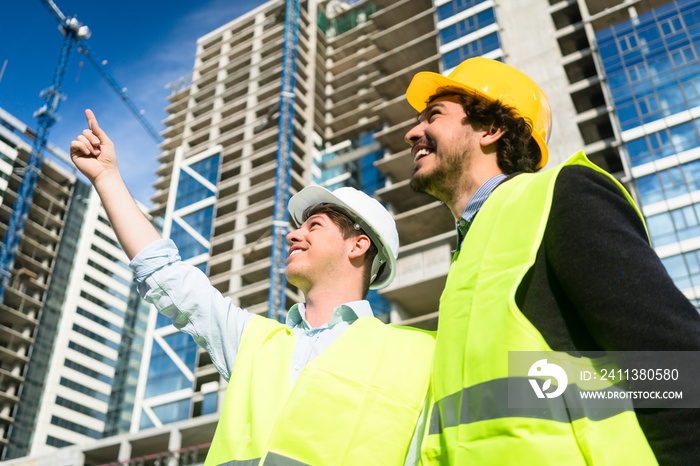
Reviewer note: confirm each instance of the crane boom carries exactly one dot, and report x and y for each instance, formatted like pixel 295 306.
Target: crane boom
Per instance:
pixel 83 33
pixel 74 34
pixel 85 50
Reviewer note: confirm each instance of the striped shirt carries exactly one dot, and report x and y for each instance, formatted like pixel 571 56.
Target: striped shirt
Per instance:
pixel 473 206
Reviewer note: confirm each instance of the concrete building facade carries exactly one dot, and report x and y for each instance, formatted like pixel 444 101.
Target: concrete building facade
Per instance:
pixel 78 386
pixel 64 313
pixel 22 341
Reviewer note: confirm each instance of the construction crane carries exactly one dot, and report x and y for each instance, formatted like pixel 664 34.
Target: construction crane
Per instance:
pixel 280 222
pixel 74 34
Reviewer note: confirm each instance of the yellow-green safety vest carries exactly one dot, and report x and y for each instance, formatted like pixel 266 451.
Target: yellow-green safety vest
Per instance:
pixel 358 402
pixel 479 323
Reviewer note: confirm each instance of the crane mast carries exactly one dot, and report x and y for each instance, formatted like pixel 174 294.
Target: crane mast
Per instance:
pixel 280 222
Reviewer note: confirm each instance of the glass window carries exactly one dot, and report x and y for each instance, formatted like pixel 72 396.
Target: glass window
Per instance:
pixel 672 181
pixel 691 173
pixel 75 427
pixel 57 442
pixel 172 412
pixel 190 191
pixel 617 80
pixel 649 34
pixel 106 238
pixel 146 422
pixel 671 100
pixel 109 273
pixel 87 371
pixel 92 354
pixel 661 144
pixel 95 337
pixel 639 153
pixel 628 116
pixel 188 245
pixel 106 324
pixel 83 389
pixel 102 304
pixel 77 407
pixel 467 26
pixel 209 404
pixel 608 51
pixel 455 6
pixel 208 168
pixel 473 49
pixel 691 260
pixel 676 268
pixel 102 286
pixel 380 305
pixel 201 220
pixel 110 257
pixel 162 321
pixel 661 229
pixel 448 34
pixel 650 189
pixel 660 66
pixel 164 376
pixel 684 137
pixel 684 269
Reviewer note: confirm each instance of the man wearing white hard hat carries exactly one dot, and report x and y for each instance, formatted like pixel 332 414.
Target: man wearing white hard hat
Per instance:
pixel 333 385
pixel 549 264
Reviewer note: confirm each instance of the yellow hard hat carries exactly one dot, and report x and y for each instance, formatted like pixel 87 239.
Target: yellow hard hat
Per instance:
pixel 492 80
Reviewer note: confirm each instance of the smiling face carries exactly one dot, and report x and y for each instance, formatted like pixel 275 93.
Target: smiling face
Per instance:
pixel 442 148
pixel 318 253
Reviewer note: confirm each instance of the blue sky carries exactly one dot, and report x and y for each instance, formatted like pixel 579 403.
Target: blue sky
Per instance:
pixel 147 44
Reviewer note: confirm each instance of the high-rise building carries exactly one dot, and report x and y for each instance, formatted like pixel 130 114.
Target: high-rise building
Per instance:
pixel 23 342
pixel 649 56
pixel 73 407
pixel 65 316
pixel 623 80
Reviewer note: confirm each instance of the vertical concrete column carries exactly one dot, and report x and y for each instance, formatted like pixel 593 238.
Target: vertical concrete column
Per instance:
pixel 239 240
pixel 174 444
pixel 221 74
pixel 124 451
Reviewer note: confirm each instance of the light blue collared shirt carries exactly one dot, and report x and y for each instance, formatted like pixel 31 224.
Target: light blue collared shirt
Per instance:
pixel 474 205
pixel 184 294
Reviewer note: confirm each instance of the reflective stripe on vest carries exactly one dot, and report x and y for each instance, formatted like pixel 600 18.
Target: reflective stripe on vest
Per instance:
pixel 358 401
pixel 466 406
pixel 272 459
pixel 480 324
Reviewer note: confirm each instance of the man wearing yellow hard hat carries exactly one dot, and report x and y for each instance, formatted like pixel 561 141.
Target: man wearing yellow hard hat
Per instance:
pixel 555 262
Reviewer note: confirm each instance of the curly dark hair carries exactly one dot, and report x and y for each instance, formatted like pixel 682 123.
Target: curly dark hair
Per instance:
pixel 516 150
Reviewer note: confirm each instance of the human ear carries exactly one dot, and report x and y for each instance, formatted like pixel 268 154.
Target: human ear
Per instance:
pixel 360 245
pixel 491 136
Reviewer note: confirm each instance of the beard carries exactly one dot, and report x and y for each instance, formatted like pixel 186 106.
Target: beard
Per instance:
pixel 442 182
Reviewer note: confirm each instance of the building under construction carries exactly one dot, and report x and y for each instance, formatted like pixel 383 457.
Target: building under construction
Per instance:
pixel 26 291
pixel 217 179
pixel 68 332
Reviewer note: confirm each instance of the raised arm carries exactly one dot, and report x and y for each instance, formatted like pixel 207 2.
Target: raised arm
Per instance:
pixel 94 155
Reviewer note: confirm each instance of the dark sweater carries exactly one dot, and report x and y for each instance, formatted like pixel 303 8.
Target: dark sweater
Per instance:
pixel 598 285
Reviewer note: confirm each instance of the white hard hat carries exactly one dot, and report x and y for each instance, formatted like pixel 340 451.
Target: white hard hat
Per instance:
pixel 368 213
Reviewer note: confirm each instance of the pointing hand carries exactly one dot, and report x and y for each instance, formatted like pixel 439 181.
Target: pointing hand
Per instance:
pixel 93 152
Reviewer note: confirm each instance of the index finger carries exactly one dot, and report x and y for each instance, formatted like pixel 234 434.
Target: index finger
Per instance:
pixel 94 126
